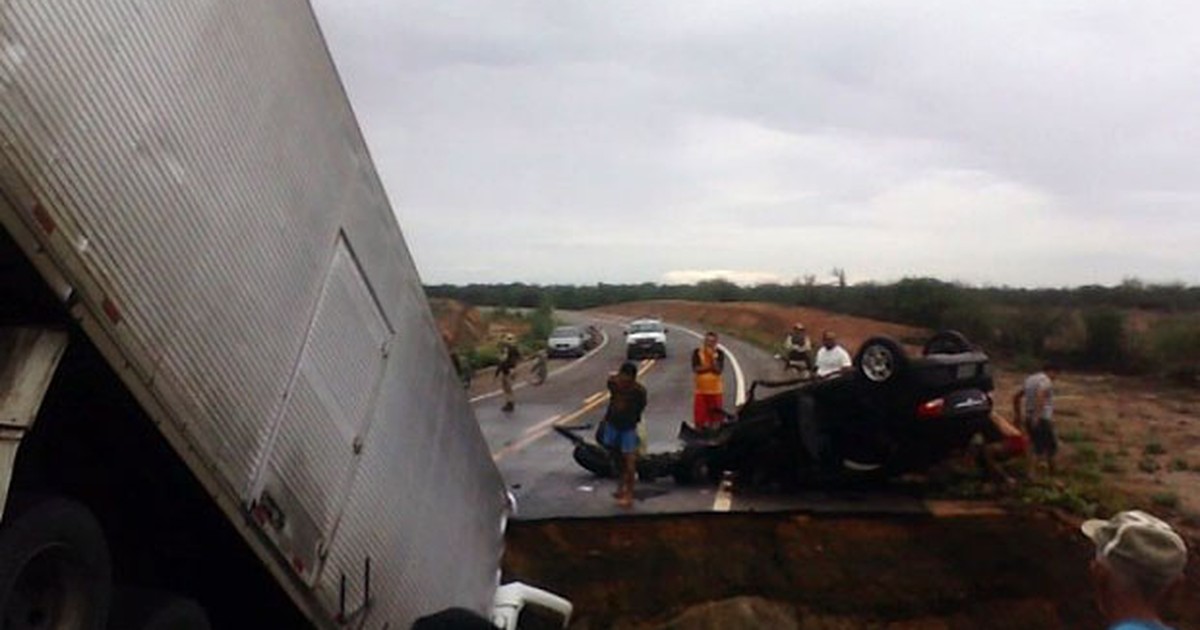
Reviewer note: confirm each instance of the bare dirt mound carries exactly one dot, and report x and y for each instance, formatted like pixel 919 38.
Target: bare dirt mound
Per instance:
pixel 461 322
pixel 766 324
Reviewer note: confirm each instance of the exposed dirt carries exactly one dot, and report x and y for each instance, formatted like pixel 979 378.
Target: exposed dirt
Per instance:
pixel 1023 570
pixel 768 323
pixel 460 322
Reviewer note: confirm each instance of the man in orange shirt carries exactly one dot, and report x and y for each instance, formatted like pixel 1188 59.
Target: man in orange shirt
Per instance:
pixel 708 361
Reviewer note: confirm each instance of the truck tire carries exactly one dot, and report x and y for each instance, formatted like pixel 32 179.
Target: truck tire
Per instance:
pixel 55 569
pixel 881 360
pixel 138 609
pixel 947 342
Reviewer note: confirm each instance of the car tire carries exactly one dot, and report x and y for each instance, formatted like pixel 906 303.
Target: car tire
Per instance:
pixel 55 568
pixel 595 459
pixel 881 360
pixel 692 470
pixel 947 342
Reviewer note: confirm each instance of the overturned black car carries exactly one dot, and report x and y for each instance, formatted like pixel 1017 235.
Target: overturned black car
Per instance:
pixel 891 414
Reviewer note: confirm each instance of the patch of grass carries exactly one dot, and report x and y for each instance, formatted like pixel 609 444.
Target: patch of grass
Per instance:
pixel 1075 436
pixel 1165 499
pixel 1154 447
pixel 1179 464
pixel 1087 454
pixel 1109 463
pixel 1149 465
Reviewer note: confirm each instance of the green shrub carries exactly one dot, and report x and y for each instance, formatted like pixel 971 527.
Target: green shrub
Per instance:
pixel 1154 447
pixel 1149 465
pixel 1165 499
pixel 1174 348
pixel 1104 343
pixel 1087 455
pixel 1179 464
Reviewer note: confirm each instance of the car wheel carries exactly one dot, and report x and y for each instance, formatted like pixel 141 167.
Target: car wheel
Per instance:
pixel 594 459
pixel 881 360
pixel 947 342
pixel 694 469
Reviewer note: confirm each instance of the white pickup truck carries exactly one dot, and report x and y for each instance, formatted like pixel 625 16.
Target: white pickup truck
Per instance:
pixel 223 399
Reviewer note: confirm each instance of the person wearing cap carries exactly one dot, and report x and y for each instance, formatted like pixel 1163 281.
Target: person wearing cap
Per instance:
pixel 1033 408
pixel 798 347
pixel 708 402
pixel 510 356
pixel 626 402
pixel 1139 559
pixel 832 358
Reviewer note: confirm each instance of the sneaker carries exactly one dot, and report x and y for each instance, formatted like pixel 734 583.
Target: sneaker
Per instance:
pixel 507 407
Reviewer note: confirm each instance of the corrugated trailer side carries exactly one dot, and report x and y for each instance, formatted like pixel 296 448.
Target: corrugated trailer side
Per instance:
pixel 191 179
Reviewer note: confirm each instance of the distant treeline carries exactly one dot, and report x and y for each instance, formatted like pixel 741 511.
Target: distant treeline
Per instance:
pixel 918 301
pixel 1087 326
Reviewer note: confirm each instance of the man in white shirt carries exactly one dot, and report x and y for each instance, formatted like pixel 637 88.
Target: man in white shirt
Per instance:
pixel 831 357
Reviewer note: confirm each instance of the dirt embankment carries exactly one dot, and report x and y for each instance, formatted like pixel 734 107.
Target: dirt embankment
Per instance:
pixel 461 323
pixel 1023 570
pixel 767 324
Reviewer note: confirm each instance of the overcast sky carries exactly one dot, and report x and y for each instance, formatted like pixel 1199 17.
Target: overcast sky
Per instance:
pixel 1026 143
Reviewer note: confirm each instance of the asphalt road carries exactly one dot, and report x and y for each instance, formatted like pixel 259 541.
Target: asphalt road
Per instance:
pixel 537 465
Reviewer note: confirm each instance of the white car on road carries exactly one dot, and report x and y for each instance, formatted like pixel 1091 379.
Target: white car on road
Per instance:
pixel 646 337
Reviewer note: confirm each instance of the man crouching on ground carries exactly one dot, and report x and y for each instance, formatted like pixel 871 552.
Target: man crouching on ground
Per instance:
pixel 625 405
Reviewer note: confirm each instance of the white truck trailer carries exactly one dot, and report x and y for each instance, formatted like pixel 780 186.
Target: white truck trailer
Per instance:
pixel 221 386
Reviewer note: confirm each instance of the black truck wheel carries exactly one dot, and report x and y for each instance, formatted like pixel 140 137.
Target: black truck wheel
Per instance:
pixel 138 609
pixel 947 342
pixel 881 360
pixel 55 569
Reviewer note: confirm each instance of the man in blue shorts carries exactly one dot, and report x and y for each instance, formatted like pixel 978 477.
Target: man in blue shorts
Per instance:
pixel 627 400
pixel 1139 560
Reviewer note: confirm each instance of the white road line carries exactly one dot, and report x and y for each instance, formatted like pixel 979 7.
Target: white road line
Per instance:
pixel 724 500
pixel 738 375
pixel 593 398
pixel 555 372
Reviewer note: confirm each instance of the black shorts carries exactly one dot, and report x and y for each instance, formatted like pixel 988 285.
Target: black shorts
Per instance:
pixel 1045 442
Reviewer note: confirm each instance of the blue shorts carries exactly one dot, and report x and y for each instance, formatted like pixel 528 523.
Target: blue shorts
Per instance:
pixel 625 440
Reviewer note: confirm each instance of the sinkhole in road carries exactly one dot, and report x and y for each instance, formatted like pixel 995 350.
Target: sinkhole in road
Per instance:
pixel 1015 570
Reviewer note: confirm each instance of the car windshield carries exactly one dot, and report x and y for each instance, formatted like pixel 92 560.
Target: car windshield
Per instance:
pixel 566 331
pixel 641 327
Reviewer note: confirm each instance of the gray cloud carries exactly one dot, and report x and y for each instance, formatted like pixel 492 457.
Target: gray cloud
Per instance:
pixel 1023 142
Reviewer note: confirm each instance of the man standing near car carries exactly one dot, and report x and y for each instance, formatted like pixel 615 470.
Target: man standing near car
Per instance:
pixel 506 369
pixel 627 401
pixel 832 357
pixel 1033 407
pixel 708 404
pixel 798 347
